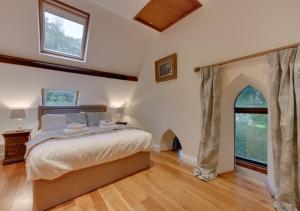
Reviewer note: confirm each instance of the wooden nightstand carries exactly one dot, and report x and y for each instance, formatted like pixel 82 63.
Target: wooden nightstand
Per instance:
pixel 15 145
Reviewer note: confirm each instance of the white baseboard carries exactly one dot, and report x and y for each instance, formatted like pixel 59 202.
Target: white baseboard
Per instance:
pixel 269 186
pixel 186 158
pixel 189 160
pixel 156 147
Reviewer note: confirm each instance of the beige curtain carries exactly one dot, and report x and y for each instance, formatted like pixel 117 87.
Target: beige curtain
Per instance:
pixel 210 94
pixel 285 126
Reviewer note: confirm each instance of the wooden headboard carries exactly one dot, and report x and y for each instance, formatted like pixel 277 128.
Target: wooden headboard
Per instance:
pixel 69 109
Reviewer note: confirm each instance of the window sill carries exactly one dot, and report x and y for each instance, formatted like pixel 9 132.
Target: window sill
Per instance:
pixel 62 57
pixel 251 166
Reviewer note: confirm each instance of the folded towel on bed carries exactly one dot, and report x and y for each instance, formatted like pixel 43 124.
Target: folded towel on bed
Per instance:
pixel 70 131
pixel 76 126
pixel 104 123
pixel 110 127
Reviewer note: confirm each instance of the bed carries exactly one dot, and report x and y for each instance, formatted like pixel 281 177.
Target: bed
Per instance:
pixel 119 154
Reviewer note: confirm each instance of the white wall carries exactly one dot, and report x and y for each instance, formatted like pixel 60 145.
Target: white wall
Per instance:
pixel 235 78
pixel 115 44
pixel 218 31
pixel 20 87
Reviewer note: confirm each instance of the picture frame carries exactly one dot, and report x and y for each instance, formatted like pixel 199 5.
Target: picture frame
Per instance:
pixel 166 68
pixel 54 97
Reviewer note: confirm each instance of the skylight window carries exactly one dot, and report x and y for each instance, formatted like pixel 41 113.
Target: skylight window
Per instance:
pixel 63 29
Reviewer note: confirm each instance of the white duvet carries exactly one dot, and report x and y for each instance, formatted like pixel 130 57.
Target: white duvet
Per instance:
pixel 54 158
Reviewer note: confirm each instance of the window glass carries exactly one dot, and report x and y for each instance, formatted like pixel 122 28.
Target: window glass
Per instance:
pixel 251 97
pixel 251 136
pixel 62 35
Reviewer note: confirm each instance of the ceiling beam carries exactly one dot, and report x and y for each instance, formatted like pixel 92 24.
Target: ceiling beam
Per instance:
pixel 63 68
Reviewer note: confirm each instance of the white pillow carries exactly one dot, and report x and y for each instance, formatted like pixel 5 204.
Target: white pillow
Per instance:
pixel 76 118
pixel 53 122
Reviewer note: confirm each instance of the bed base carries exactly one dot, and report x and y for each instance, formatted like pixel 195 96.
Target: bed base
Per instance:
pixel 50 193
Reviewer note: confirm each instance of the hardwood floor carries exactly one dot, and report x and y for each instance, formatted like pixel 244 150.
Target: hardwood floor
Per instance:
pixel 167 185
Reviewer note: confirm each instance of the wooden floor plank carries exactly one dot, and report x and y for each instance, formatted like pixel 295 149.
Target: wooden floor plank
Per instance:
pixel 113 200
pixel 98 201
pixel 159 195
pixel 151 204
pixel 167 185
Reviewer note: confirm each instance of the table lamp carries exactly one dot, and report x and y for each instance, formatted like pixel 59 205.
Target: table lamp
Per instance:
pixel 18 114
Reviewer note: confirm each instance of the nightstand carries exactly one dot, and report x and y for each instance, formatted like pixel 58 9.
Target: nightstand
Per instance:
pixel 15 145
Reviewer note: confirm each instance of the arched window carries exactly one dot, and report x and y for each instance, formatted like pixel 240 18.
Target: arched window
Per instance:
pixel 251 122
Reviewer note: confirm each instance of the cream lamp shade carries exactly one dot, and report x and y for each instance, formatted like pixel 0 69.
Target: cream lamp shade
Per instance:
pixel 117 113
pixel 17 114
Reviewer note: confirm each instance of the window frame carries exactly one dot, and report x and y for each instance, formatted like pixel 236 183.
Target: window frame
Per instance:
pixel 244 162
pixel 68 10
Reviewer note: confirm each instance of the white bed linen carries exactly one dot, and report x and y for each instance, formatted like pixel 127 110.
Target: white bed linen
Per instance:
pixel 52 159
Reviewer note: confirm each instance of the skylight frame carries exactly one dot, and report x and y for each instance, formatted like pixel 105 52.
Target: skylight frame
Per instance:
pixel 69 13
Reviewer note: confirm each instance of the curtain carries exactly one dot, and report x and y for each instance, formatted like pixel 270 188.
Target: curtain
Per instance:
pixel 210 93
pixel 285 126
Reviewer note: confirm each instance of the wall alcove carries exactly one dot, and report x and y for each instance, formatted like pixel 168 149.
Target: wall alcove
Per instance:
pixel 232 88
pixel 170 142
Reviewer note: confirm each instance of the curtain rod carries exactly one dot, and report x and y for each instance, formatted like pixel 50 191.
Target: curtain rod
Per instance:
pixel 197 69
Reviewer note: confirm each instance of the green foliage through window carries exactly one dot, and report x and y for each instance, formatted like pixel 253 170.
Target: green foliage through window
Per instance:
pixel 62 35
pixel 251 136
pixel 251 97
pixel 251 127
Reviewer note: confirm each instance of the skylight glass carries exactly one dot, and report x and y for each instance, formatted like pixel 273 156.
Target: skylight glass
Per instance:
pixel 62 35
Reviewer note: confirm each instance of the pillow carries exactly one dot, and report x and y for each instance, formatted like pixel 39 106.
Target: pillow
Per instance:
pixel 94 118
pixel 76 118
pixel 53 122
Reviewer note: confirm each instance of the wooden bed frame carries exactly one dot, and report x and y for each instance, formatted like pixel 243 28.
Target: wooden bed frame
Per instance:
pixel 50 193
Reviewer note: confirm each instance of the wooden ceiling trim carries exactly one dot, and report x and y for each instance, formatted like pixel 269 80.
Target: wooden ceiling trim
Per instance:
pixel 161 14
pixel 63 68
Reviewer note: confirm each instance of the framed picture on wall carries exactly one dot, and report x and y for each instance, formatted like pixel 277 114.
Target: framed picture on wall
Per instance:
pixel 53 97
pixel 166 68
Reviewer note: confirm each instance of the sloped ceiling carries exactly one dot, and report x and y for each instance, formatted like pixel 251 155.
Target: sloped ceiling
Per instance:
pixel 125 8
pixel 115 43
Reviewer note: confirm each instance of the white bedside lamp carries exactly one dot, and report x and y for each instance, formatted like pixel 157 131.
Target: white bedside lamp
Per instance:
pixel 117 114
pixel 18 114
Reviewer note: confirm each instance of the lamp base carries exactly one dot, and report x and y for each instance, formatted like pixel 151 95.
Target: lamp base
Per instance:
pixel 20 125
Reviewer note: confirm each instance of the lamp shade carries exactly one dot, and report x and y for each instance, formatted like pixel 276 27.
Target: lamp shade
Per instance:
pixel 17 114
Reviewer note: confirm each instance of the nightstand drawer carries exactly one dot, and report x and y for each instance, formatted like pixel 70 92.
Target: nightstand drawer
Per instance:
pixel 12 151
pixel 19 141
